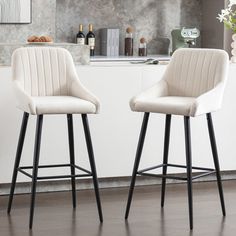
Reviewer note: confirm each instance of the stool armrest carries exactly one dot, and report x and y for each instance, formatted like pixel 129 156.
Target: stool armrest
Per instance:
pixel 160 89
pixel 23 100
pixel 78 90
pixel 208 102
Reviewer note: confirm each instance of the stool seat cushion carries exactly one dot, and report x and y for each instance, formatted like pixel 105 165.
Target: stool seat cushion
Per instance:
pixel 61 105
pixel 166 105
pixel 156 99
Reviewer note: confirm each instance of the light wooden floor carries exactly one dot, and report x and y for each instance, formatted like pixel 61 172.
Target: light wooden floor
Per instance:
pixel 54 214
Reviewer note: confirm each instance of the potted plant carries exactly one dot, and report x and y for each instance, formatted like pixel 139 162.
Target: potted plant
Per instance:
pixel 228 17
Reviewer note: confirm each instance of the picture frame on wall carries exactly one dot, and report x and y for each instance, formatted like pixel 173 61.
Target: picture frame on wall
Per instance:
pixel 15 11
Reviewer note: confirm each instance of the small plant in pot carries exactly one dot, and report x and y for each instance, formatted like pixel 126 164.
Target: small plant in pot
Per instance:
pixel 228 17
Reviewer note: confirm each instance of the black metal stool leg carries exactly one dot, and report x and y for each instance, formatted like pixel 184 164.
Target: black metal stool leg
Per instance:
pixel 137 161
pixel 92 163
pixel 35 166
pixel 72 156
pixel 189 167
pixel 165 157
pixel 216 161
pixel 18 157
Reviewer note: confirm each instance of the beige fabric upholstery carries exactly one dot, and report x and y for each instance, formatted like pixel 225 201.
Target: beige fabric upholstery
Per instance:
pixel 192 85
pixel 46 82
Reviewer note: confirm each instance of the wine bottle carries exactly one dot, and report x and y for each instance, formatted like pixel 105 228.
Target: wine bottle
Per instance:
pixel 90 39
pixel 80 37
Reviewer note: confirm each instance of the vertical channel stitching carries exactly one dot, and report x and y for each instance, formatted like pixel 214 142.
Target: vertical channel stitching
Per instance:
pixel 57 58
pixel 37 74
pixel 44 74
pixel 50 59
pixel 195 80
pixel 187 78
pixel 23 71
pixel 201 76
pixel 30 79
pixel 208 78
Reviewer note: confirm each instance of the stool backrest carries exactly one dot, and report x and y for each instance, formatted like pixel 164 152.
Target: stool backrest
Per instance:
pixel 43 71
pixel 192 72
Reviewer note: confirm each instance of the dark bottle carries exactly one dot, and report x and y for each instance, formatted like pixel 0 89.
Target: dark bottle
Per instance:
pixel 142 51
pixel 90 39
pixel 80 37
pixel 129 42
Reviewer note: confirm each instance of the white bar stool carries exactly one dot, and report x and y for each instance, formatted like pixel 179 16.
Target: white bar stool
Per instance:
pixel 45 83
pixel 192 85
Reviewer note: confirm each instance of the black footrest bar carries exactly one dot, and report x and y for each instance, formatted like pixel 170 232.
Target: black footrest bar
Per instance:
pixel 25 173
pixel 194 167
pixel 175 165
pixel 153 168
pixel 162 176
pixel 87 172
pixel 82 169
pixel 203 174
pixel 172 176
pixel 45 166
pixel 63 176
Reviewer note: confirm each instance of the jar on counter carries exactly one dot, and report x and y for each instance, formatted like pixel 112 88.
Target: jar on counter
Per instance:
pixel 129 42
pixel 142 48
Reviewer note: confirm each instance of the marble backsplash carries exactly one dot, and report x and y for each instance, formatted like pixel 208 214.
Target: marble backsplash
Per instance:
pixel 152 19
pixel 80 53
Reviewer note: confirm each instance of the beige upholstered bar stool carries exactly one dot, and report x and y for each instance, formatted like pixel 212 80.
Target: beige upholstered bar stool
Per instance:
pixel 45 83
pixel 192 85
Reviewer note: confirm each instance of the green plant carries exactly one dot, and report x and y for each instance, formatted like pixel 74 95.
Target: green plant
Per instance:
pixel 228 16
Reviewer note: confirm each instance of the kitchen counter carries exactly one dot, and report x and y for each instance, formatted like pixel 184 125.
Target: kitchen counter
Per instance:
pixel 126 61
pixel 129 58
